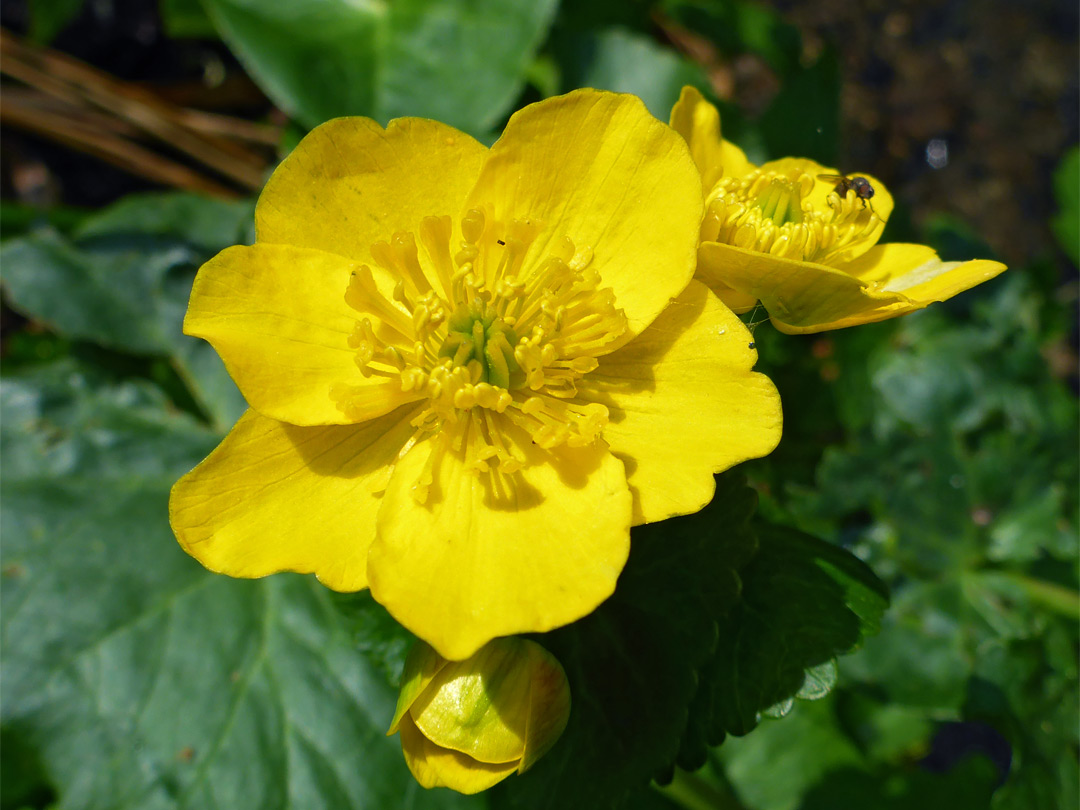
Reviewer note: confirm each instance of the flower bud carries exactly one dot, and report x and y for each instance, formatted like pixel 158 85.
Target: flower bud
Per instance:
pixel 469 724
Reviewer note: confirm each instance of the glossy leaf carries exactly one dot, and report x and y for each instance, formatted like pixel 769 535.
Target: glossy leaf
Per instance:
pixel 804 602
pixel 631 664
pixel 141 679
pixel 625 62
pixel 461 62
pixel 123 283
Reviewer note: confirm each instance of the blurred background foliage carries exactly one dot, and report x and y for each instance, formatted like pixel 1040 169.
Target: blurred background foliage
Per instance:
pixel 941 449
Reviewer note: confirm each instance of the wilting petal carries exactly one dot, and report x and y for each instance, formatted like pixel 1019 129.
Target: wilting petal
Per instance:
pixel 487 556
pixel 275 497
pixel 698 122
pixel 277 316
pixel 350 183
pixel 440 767
pixel 684 404
pixel 597 168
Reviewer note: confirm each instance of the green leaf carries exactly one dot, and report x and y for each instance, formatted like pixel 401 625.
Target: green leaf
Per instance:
pixel 804 602
pixel 123 284
pixel 625 62
pixel 813 760
pixel 185 18
pixel 919 659
pixel 1016 683
pixel 1066 223
pixel 203 222
pixel 968 785
pixel 141 679
pixel 783 759
pixel 462 62
pixel 631 664
pixel 49 17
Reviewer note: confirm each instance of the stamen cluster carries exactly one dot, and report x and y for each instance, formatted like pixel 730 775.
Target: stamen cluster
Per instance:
pixel 502 338
pixel 768 212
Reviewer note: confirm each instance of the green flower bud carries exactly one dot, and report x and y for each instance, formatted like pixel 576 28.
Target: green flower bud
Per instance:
pixel 469 724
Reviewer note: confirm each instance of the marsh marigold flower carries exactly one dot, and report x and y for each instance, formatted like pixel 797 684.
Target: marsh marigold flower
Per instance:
pixel 469 724
pixel 781 233
pixel 470 370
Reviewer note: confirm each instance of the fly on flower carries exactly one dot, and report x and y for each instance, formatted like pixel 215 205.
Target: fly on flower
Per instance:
pixel 470 370
pixel 803 240
pixel 860 185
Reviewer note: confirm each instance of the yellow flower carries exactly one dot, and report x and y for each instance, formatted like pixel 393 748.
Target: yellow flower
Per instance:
pixel 470 370
pixel 469 724
pixel 783 234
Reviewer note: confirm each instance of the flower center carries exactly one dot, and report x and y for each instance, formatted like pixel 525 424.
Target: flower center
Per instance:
pixel 769 212
pixel 476 334
pixel 497 334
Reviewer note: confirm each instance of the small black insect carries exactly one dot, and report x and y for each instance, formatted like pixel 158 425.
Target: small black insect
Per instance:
pixel 860 185
pixel 752 345
pixel 501 242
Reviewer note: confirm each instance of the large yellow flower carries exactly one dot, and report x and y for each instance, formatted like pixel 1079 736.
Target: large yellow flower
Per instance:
pixel 470 371
pixel 782 234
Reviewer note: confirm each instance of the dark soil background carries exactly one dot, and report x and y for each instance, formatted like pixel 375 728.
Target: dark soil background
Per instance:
pixel 995 82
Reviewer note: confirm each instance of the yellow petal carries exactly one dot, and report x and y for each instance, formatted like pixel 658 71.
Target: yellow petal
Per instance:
pixel 349 183
pixel 597 168
pixel 685 404
pixel 918 273
pixel 549 705
pixel 278 318
pixel 734 300
pixel 275 497
pixel 439 767
pixel 480 706
pixel 885 282
pixel 799 296
pixel 698 122
pixel 486 557
pixel 421 667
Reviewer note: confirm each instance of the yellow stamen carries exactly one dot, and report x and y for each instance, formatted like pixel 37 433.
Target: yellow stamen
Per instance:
pixel 771 213
pixel 491 335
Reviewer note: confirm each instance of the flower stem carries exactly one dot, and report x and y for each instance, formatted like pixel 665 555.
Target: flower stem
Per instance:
pixel 1057 598
pixel 695 793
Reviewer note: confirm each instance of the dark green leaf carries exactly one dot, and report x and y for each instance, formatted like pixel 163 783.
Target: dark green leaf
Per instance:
pixel 804 602
pixel 458 61
pixel 631 664
pixel 1066 223
pixel 49 17
pixel 141 679
pixel 812 760
pixel 967 786
pixel 186 18
pixel 1016 681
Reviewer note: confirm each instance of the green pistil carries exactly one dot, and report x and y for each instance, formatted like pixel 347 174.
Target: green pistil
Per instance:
pixel 781 202
pixel 478 333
